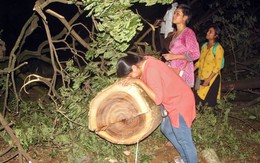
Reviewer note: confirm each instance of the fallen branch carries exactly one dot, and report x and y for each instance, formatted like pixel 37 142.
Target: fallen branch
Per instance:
pixel 241 85
pixel 68 26
pixel 6 151
pixel 139 41
pixel 11 65
pixel 9 70
pixel 16 141
pixel 1 128
pixel 243 121
pixel 253 102
pixel 10 158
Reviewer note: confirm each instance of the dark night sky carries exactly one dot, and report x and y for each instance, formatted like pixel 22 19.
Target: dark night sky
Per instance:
pixel 13 15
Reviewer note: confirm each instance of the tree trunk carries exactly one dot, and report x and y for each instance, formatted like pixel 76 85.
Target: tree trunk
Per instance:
pixel 123 114
pixel 241 85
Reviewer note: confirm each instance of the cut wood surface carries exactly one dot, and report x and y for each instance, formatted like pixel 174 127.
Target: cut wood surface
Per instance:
pixel 123 114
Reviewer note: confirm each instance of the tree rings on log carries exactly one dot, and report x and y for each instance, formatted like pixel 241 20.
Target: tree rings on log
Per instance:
pixel 123 114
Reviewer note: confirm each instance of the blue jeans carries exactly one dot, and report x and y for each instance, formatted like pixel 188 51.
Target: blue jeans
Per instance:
pixel 181 138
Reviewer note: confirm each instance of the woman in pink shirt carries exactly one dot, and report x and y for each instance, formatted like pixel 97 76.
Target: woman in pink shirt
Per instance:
pixel 184 47
pixel 168 90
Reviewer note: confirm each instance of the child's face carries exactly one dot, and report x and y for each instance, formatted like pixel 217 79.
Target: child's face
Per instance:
pixel 136 73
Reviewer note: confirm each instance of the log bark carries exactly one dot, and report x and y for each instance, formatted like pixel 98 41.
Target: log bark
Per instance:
pixel 241 85
pixel 123 114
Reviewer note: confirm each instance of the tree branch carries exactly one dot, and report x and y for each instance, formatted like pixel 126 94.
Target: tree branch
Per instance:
pixel 67 25
pixel 15 140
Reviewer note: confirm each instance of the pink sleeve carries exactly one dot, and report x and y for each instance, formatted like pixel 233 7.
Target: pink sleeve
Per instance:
pixel 192 45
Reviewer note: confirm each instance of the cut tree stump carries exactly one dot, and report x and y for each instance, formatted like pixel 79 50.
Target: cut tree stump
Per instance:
pixel 123 114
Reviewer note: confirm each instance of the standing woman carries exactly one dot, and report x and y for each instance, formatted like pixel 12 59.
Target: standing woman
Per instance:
pixel 184 47
pixel 209 66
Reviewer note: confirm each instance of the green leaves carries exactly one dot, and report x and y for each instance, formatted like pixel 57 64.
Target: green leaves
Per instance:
pixel 152 2
pixel 116 24
pixel 118 29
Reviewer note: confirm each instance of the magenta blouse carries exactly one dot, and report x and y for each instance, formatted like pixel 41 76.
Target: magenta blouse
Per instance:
pixel 185 44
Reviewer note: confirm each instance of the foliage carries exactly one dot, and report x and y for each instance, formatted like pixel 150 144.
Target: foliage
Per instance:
pixel 253 136
pixel 212 130
pixel 213 135
pixel 116 26
pixel 38 128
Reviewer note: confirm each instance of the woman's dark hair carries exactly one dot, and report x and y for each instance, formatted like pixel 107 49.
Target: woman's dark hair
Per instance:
pixel 186 11
pixel 217 31
pixel 124 65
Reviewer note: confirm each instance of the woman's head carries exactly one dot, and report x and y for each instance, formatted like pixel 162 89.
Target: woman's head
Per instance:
pixel 128 65
pixel 213 33
pixel 182 14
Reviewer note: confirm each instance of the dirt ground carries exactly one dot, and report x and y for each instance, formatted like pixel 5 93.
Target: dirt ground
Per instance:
pixel 165 154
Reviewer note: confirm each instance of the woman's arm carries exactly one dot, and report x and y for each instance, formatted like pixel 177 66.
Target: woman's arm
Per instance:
pixel 140 83
pixel 207 81
pixel 192 45
pixel 195 68
pixel 170 56
pixel 148 90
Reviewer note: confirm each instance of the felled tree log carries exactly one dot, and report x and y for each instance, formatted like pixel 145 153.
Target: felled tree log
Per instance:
pixel 241 85
pixel 123 114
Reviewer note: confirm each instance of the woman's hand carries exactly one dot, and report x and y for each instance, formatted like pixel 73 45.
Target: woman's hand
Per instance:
pixel 206 82
pixel 195 68
pixel 168 56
